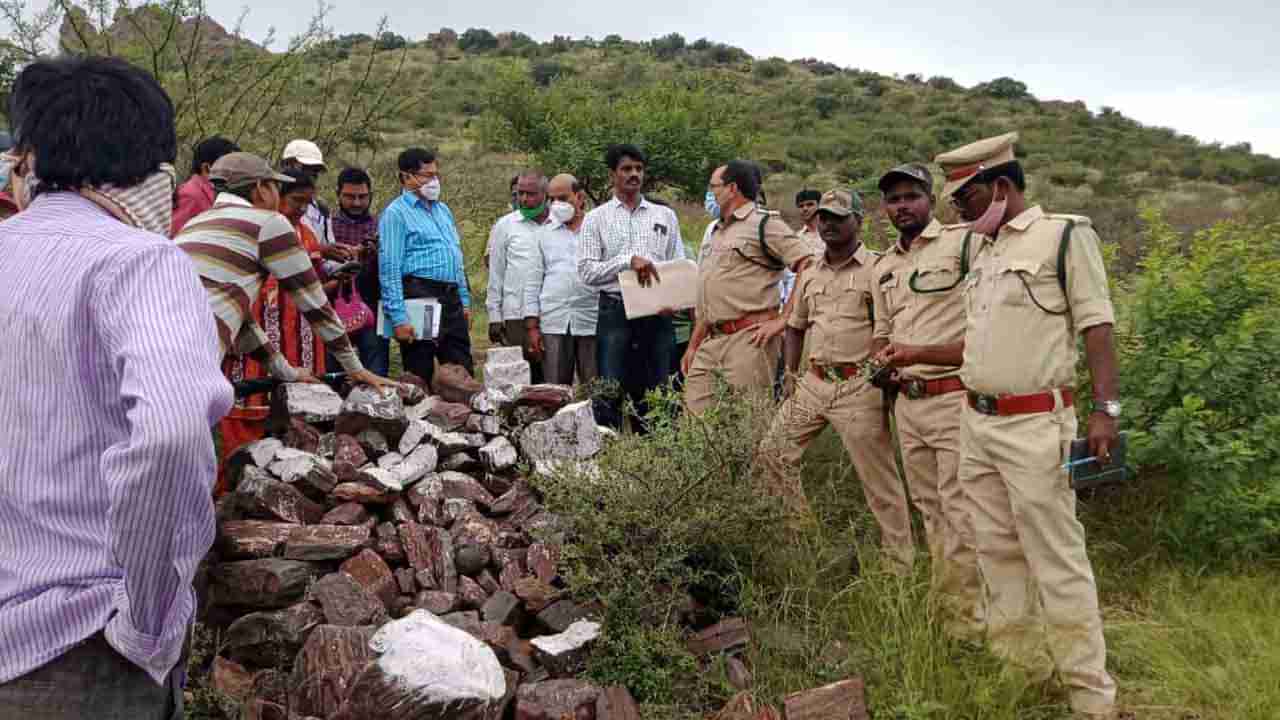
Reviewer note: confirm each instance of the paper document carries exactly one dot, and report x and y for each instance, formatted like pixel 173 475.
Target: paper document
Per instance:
pixel 677 289
pixel 424 314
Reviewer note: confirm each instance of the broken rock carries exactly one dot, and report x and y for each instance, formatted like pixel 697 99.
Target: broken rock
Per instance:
pixel 729 634
pixel 842 700
pixel 499 454
pixel 325 542
pixel 326 667
pixel 370 408
pixel 426 669
pixel 345 602
pixel 271 638
pixel 308 402
pixel 267 583
pixel 374 575
pixel 571 434
pixel 556 699
pixel 261 495
pixel 246 539
pixel 565 654
pixel 453 383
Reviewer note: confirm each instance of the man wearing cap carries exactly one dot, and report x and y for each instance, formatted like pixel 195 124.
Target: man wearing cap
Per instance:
pixel 833 304
pixel 305 156
pixel 1037 282
pixel 241 240
pixel 737 290
pixel 919 329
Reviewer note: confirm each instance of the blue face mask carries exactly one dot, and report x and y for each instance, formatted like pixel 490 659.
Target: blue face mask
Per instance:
pixel 711 206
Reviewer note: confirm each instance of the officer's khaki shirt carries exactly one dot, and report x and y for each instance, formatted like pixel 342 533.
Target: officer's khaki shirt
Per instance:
pixel 812 238
pixel 1011 345
pixel 731 285
pixel 834 307
pixel 929 309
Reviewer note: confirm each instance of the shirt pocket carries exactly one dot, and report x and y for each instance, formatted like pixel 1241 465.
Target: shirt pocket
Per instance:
pixel 853 303
pixel 1032 283
pixel 1014 281
pixel 731 253
pixel 936 277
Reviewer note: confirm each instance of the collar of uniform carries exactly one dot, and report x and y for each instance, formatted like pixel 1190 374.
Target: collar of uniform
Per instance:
pixel 930 232
pixel 1025 218
pixel 861 256
pixel 741 213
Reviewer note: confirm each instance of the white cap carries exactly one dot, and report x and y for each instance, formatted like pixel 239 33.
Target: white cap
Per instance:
pixel 304 151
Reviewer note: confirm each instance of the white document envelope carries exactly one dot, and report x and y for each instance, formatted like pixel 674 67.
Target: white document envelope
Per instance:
pixel 677 290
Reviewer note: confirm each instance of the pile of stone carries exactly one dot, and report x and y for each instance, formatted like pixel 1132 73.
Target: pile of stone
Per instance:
pixel 381 556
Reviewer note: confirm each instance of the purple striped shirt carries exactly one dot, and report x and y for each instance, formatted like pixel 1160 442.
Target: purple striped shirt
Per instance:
pixel 109 384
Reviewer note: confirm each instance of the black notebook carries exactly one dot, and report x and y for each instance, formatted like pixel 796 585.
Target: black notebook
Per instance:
pixel 1091 473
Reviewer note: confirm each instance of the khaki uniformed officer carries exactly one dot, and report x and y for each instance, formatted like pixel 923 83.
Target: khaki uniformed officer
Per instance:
pixel 919 329
pixel 833 306
pixel 1028 296
pixel 738 290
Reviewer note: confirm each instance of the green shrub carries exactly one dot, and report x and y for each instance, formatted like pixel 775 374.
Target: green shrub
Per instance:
pixel 769 69
pixel 1200 377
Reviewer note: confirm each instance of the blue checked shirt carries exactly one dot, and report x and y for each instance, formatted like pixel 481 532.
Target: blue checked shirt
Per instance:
pixel 420 239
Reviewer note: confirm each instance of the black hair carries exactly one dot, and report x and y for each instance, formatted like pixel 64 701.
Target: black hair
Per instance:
pixel 209 150
pixel 302 180
pixel 515 180
pixel 746 175
pixel 414 158
pixel 354 176
pixel 613 156
pixel 807 195
pixel 91 121
pixel 1011 170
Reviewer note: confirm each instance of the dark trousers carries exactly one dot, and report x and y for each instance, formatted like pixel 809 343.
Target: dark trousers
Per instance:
pixel 453 345
pixel 91 680
pixel 636 354
pixel 373 349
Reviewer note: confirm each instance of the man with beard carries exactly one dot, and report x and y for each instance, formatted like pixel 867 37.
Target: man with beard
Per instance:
pixel 513 244
pixel 919 329
pixel 354 226
pixel 833 305
pixel 1038 280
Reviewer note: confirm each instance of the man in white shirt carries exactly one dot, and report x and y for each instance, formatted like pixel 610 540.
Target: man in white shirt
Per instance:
pixel 628 233
pixel 560 312
pixel 511 250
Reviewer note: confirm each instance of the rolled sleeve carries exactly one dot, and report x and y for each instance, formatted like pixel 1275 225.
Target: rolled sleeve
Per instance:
pixel 159 479
pixel 799 318
pixel 1087 289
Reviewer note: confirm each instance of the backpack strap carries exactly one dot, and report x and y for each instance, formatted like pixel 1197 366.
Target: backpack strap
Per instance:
pixel 764 244
pixel 1062 254
pixel 964 254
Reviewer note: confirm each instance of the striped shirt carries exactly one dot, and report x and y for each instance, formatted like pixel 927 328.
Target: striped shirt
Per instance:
pixel 417 238
pixel 613 233
pixel 111 383
pixel 235 246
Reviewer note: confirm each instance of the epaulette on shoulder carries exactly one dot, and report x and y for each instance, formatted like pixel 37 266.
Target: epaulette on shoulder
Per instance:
pixel 955 227
pixel 1079 219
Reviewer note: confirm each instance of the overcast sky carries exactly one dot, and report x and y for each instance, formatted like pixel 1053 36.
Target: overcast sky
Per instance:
pixel 1211 70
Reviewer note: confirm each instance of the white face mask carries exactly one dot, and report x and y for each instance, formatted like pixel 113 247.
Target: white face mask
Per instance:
pixel 562 211
pixel 430 190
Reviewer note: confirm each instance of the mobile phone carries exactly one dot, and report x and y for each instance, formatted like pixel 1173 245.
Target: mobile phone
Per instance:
pixel 348 268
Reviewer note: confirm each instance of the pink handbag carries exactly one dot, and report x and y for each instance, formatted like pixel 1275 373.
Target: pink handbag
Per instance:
pixel 352 310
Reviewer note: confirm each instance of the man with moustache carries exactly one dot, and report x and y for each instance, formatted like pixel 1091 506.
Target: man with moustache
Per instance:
pixel 1037 281
pixel 919 329
pixel 628 232
pixel 833 305
pixel 560 312
pixel 511 250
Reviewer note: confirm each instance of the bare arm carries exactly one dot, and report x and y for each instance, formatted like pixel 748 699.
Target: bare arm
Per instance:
pixel 1100 352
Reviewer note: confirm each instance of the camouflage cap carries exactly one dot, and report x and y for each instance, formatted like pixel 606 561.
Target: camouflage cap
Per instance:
pixel 842 203
pixel 915 172
pixel 238 169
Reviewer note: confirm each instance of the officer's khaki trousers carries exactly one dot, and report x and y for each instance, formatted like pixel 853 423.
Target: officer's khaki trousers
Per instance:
pixel 856 411
pixel 929 434
pixel 744 366
pixel 1042 598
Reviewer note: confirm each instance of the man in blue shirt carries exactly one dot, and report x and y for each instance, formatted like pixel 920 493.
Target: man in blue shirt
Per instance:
pixel 420 256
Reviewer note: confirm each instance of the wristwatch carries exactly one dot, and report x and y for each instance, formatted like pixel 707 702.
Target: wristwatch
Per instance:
pixel 1110 408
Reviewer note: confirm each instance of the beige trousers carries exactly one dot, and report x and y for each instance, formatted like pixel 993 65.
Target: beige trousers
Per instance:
pixel 929 435
pixel 1042 598
pixel 745 367
pixel 856 411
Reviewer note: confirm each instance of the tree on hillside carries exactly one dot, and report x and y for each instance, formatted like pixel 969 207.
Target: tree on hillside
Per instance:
pixel 477 40
pixel 667 46
pixel 1004 87
pixel 221 82
pixel 687 127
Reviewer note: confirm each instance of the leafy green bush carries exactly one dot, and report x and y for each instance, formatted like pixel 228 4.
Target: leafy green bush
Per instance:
pixel 1201 379
pixel 769 69
pixel 477 40
pixel 662 517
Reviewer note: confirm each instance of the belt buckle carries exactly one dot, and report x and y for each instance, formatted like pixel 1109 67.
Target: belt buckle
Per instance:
pixel 914 389
pixel 985 404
